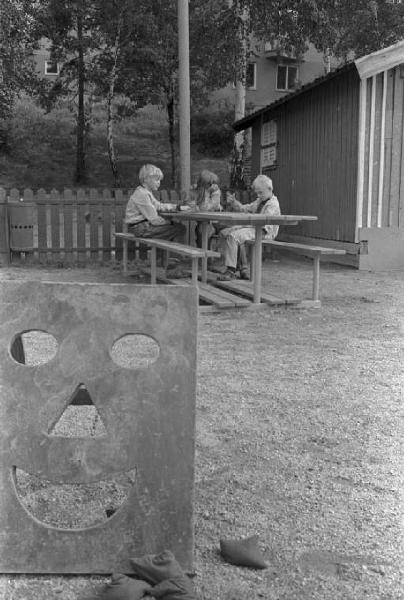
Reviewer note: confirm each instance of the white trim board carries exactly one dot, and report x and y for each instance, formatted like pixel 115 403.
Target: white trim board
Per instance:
pixel 380 61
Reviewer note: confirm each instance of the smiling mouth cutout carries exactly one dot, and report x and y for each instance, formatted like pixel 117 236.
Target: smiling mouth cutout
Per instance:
pixel 74 506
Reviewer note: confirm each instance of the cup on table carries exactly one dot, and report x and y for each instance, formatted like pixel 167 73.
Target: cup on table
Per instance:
pixel 230 199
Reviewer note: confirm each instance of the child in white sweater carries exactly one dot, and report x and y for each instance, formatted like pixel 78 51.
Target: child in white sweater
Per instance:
pixel 208 197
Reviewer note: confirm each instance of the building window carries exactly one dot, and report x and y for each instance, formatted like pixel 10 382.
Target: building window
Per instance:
pixel 51 67
pixel 251 76
pixel 286 78
pixel 268 144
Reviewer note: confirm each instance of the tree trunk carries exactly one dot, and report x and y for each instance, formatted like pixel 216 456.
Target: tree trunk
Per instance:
pixel 110 116
pixel 81 121
pixel 237 160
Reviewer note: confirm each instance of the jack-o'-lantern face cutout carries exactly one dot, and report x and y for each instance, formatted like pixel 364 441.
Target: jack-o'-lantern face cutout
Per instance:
pixel 70 503
pixel 143 404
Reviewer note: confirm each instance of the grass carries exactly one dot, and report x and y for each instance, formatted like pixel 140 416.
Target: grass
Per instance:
pixel 47 160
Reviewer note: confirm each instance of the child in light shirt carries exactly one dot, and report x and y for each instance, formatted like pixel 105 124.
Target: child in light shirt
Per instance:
pixel 208 197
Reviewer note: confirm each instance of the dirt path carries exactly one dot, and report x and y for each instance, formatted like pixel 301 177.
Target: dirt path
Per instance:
pixel 299 440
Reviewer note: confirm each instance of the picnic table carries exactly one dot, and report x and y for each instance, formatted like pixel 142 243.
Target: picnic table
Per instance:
pixel 231 219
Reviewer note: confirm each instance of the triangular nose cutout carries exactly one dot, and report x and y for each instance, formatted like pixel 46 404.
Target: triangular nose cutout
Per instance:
pixel 80 418
pixel 81 396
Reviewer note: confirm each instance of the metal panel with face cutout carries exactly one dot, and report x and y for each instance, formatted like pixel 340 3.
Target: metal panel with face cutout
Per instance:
pixel 145 402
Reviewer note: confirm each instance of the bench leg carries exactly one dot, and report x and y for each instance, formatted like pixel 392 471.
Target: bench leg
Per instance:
pixel 195 270
pixel 204 270
pixel 153 265
pixel 252 261
pixel 316 277
pixel 257 265
pixel 125 256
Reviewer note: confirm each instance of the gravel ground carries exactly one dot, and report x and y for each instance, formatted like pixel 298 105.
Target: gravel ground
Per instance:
pixel 299 440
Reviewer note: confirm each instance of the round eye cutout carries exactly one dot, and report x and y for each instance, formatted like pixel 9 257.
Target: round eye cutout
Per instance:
pixel 135 351
pixel 33 348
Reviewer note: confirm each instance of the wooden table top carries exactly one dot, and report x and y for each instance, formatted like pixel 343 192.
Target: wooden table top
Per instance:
pixel 238 218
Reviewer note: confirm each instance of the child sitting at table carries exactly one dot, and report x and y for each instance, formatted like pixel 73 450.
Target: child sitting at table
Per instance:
pixel 234 237
pixel 142 211
pixel 208 196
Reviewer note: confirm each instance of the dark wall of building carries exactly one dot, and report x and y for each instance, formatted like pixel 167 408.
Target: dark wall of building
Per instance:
pixel 317 155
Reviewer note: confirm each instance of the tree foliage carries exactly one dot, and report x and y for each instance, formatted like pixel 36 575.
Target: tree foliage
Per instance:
pixel 110 47
pixel 147 68
pixel 371 26
pixel 17 71
pixel 346 28
pixel 132 49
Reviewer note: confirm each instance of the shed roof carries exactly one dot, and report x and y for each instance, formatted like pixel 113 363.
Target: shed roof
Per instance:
pixel 379 61
pixel 367 66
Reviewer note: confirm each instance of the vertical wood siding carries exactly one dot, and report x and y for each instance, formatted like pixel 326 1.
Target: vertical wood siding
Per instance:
pixel 316 170
pixel 382 197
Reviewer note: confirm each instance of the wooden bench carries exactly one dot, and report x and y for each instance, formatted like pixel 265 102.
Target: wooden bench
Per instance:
pixel 315 252
pixel 168 247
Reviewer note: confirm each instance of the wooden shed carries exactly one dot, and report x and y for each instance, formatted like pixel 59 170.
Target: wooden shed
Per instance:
pixel 335 149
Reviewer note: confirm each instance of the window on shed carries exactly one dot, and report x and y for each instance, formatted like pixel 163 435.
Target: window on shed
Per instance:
pixel 268 144
pixel 268 133
pixel 286 77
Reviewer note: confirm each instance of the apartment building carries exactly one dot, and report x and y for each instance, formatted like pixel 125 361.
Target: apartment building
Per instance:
pixel 45 66
pixel 273 72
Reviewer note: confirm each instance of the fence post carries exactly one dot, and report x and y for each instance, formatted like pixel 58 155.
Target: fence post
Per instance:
pixel 4 229
pixel 107 211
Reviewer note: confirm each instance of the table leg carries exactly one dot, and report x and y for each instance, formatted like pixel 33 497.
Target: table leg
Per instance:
pixel 195 270
pixel 316 277
pixel 153 265
pixel 257 264
pixel 204 269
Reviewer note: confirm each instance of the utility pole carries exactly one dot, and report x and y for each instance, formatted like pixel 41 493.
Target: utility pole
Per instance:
pixel 184 99
pixel 237 166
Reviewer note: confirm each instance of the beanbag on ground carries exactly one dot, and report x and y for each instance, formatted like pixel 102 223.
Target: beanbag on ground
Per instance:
pixel 122 587
pixel 157 567
pixel 174 589
pixel 244 552
pixel 163 570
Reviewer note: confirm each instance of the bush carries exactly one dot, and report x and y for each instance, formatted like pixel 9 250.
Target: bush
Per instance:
pixel 31 130
pixel 149 122
pixel 212 133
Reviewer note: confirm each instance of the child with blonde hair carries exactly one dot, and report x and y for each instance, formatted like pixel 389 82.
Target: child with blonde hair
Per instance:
pixel 208 197
pixel 143 208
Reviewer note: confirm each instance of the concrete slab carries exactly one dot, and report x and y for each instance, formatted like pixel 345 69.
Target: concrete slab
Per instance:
pixel 385 249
